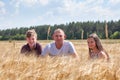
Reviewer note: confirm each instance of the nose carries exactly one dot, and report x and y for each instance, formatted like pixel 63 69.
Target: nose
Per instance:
pixel 59 37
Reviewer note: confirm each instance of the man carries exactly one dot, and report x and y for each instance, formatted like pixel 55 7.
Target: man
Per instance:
pixel 60 47
pixel 32 46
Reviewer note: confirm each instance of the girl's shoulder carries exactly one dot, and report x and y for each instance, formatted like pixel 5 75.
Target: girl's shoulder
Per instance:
pixel 102 52
pixel 105 55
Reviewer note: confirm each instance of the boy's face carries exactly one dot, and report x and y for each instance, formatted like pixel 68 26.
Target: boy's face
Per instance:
pixel 31 40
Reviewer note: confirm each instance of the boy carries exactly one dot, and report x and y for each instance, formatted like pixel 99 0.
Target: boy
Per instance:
pixel 32 46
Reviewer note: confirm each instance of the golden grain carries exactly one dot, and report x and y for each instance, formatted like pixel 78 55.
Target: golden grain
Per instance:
pixel 15 66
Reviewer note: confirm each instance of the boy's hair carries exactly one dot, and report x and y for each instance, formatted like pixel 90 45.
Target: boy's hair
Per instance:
pixel 31 33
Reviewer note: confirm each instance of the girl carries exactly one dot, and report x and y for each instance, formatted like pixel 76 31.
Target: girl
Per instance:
pixel 95 47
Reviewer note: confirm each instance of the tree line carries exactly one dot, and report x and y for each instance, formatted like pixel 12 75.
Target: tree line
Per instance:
pixel 73 30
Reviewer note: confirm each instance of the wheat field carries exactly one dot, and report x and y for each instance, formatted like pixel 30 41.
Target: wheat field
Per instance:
pixel 16 66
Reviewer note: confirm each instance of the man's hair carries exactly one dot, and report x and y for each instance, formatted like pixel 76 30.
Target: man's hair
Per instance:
pixel 59 30
pixel 31 33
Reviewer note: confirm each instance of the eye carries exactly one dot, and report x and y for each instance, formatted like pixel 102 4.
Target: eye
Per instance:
pixel 60 35
pixel 32 38
pixel 56 35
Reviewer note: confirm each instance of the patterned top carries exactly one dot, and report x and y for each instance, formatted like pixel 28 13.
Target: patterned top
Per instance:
pixel 96 55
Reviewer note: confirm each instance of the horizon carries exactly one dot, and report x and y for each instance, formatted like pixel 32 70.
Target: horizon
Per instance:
pixel 54 24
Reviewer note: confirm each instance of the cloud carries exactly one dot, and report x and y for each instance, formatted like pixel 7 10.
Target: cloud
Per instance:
pixel 15 4
pixel 29 3
pixel 2 9
pixel 1 4
pixel 32 3
pixel 43 2
pixel 89 9
pixel 26 3
pixel 114 2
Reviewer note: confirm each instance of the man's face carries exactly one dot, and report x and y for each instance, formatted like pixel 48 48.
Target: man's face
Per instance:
pixel 31 41
pixel 59 37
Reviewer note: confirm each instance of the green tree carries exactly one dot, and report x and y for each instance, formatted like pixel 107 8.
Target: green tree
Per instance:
pixel 115 35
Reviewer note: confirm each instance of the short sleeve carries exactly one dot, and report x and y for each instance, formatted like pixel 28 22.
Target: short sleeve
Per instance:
pixel 38 48
pixel 71 48
pixel 24 49
pixel 45 50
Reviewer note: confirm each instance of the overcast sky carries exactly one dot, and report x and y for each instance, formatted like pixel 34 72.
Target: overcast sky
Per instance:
pixel 25 13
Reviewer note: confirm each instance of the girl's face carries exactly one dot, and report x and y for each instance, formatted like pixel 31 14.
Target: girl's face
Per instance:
pixel 91 43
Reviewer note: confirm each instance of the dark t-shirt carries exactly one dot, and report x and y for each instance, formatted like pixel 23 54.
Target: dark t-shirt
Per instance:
pixel 26 49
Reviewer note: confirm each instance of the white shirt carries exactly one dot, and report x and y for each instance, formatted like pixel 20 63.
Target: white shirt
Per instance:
pixel 66 49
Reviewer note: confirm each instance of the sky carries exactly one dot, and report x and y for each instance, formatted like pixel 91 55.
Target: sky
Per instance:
pixel 26 13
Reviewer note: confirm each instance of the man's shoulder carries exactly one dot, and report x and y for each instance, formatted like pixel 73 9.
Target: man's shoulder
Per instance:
pixel 67 42
pixel 51 43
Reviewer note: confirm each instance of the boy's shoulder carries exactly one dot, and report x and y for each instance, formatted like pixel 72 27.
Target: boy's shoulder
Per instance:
pixel 38 45
pixel 25 45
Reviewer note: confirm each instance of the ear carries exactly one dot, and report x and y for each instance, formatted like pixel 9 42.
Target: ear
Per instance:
pixel 65 36
pixel 53 36
pixel 26 38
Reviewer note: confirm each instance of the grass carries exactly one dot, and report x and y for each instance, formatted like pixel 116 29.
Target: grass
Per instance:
pixel 15 66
